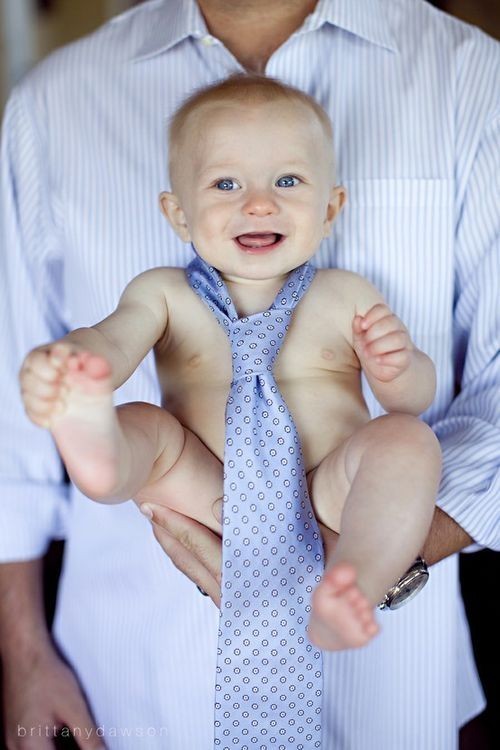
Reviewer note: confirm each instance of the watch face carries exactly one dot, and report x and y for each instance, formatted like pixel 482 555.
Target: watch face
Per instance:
pixel 409 588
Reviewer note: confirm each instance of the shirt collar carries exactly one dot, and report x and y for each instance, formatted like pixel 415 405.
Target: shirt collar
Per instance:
pixel 168 23
pixel 368 19
pixel 171 21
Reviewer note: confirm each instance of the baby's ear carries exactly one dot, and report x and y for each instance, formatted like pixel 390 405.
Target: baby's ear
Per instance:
pixel 171 209
pixel 338 196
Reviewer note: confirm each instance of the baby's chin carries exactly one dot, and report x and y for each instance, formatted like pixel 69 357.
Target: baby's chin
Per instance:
pixel 254 257
pixel 255 274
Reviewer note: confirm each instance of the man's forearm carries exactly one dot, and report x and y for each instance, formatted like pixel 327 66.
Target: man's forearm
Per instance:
pixel 23 627
pixel 445 538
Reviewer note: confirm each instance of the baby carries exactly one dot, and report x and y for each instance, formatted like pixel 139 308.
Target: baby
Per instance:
pixel 253 188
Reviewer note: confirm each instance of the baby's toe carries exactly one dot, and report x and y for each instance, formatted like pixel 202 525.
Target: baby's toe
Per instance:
pixel 341 576
pixel 98 367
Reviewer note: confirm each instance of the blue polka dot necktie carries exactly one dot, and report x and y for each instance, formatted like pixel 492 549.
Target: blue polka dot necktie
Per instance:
pixel 269 677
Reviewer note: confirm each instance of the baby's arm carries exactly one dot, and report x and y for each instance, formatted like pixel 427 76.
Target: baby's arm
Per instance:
pixel 127 335
pixel 123 339
pixel 401 376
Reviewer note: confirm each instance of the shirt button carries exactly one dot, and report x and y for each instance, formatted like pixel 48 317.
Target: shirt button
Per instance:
pixel 208 40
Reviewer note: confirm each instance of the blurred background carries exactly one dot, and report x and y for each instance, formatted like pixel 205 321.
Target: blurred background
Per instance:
pixel 29 30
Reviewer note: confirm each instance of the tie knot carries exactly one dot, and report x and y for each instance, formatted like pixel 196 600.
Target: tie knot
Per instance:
pixel 256 341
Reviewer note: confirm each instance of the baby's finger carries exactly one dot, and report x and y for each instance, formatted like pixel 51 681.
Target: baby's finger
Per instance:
pixel 39 362
pixel 357 333
pixel 44 422
pixel 42 413
pixel 383 327
pixel 375 313
pixel 356 324
pixel 400 359
pixel 60 353
pixel 39 407
pixel 36 386
pixel 392 342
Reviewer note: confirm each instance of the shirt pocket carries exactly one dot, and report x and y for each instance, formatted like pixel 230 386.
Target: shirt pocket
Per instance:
pixel 398 233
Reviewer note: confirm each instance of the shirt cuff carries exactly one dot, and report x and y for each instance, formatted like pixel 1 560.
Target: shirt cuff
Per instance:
pixel 470 488
pixel 32 516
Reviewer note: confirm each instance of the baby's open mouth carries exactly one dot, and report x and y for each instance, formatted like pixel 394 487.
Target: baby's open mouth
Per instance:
pixel 259 239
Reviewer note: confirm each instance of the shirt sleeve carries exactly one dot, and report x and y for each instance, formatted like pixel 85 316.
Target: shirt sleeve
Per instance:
pixel 33 491
pixel 470 432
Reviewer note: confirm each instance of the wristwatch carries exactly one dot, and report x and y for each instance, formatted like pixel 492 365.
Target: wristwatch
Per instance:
pixel 407 587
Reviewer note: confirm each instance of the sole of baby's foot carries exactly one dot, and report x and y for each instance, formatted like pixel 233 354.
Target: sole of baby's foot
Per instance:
pixel 341 615
pixel 84 424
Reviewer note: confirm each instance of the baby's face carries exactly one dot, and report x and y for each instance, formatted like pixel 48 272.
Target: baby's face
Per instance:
pixel 255 188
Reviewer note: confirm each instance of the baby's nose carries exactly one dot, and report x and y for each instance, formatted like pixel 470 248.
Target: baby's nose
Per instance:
pixel 260 203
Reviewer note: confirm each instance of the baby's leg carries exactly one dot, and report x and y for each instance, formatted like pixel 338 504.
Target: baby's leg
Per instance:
pixel 388 472
pixel 109 453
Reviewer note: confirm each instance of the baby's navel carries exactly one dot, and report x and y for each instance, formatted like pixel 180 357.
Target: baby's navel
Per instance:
pixel 327 354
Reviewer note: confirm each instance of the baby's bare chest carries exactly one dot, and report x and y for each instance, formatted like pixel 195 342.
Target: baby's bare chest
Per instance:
pixel 309 343
pixel 316 371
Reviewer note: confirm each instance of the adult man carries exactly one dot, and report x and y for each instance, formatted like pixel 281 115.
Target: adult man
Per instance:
pixel 412 97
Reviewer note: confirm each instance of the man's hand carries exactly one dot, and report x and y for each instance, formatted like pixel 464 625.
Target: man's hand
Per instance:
pixel 41 694
pixel 39 691
pixel 445 537
pixel 382 343
pixel 195 550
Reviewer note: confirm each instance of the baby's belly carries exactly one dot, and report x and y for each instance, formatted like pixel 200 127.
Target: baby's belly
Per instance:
pixel 326 410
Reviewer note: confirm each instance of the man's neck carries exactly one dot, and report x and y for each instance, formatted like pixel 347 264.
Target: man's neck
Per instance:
pixel 253 29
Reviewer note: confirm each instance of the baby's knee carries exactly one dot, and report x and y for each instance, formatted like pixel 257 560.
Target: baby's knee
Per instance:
pixel 405 432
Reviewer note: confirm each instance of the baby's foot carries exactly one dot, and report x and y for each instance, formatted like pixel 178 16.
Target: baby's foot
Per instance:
pixel 83 421
pixel 341 616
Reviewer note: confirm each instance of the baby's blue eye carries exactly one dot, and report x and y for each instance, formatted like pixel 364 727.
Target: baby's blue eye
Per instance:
pixel 227 184
pixel 287 181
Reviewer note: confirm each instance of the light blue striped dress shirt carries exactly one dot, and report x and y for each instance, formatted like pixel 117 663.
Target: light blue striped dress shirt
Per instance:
pixel 414 98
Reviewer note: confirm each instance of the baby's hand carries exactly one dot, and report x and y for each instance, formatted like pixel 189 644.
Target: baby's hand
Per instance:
pixel 382 343
pixel 43 380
